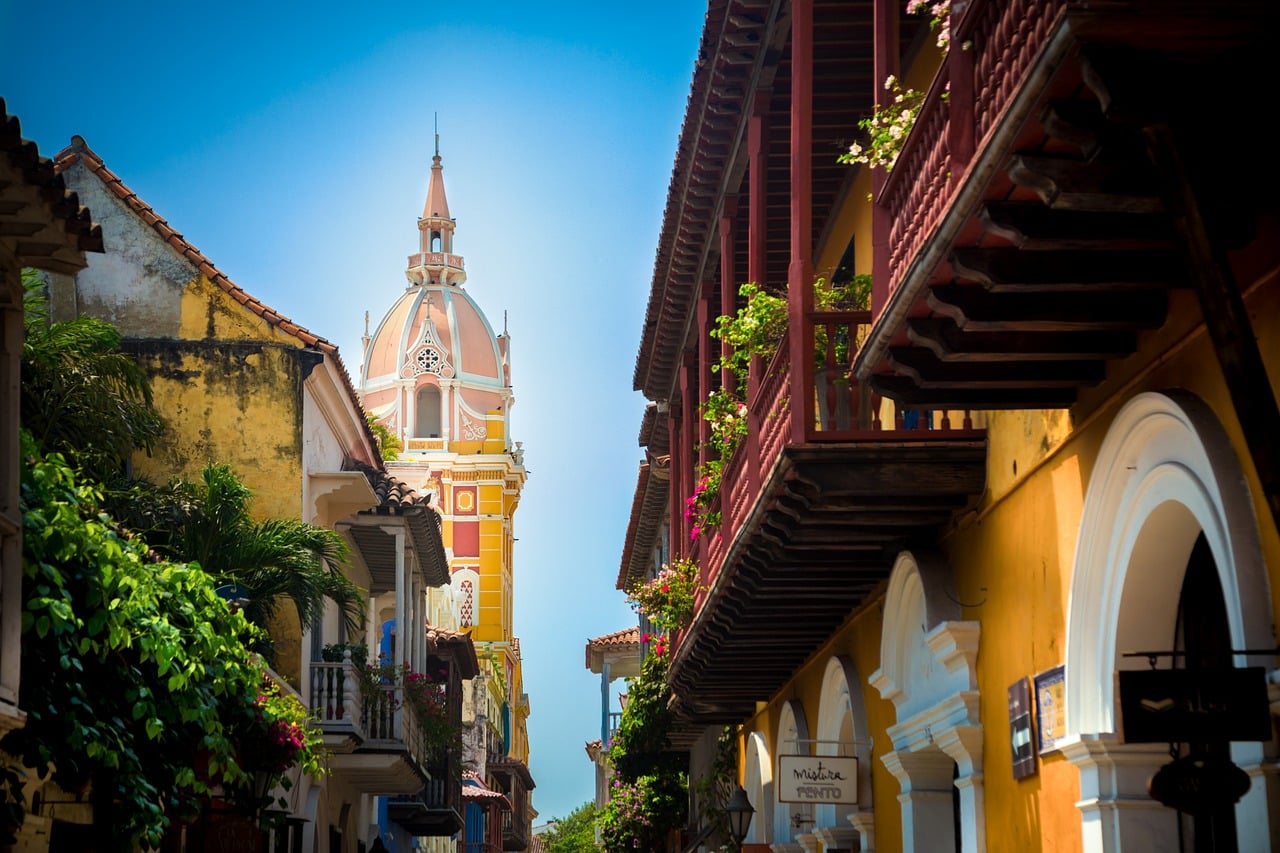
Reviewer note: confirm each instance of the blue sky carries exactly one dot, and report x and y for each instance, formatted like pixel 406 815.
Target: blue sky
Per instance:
pixel 291 144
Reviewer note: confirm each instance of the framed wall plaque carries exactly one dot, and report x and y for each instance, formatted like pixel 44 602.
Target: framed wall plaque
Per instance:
pixel 1051 708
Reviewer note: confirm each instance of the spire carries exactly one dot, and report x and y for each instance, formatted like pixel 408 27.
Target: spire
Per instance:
pixel 435 262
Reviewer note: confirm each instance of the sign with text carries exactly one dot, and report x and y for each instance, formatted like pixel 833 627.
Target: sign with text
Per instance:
pixel 817 779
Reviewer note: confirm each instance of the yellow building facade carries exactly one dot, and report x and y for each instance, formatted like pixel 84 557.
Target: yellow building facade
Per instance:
pixel 436 374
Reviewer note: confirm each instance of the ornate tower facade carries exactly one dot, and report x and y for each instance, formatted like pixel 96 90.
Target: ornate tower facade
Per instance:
pixel 436 374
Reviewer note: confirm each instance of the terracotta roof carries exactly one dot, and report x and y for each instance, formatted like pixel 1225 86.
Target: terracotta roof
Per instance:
pixel 536 845
pixel 458 646
pixel 617 640
pixel 474 788
pixel 41 220
pixel 79 150
pixel 394 495
pixel 593 749
pixel 395 498
pixel 626 640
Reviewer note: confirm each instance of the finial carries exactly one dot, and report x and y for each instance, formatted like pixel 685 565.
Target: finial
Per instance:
pixel 366 322
pixel 504 321
pixel 437 121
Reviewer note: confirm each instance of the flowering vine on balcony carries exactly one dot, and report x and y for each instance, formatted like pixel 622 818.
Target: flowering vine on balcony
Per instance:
pixel 424 696
pixel 649 795
pixel 277 734
pixel 887 128
pixel 939 18
pixel 756 329
pixel 667 600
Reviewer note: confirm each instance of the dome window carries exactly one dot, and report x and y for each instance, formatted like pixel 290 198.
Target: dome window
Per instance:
pixel 427 422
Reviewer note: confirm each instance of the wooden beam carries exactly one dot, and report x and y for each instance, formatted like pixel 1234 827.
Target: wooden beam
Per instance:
pixel 977 309
pixel 949 343
pixel 1225 316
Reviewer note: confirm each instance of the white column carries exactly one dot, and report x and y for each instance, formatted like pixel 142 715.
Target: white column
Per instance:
pixel 402 593
pixel 836 837
pixel 604 704
pixel 1116 812
pixel 926 784
pixel 864 821
pixel 1258 813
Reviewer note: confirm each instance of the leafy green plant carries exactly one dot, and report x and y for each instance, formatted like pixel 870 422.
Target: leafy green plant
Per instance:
pixel 389 445
pixel 81 395
pixel 573 833
pixel 755 330
pixel 281 561
pixel 649 795
pixel 275 735
pixel 147 681
pixel 642 812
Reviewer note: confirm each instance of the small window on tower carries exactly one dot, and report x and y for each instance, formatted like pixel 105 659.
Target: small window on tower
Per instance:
pixel 427 423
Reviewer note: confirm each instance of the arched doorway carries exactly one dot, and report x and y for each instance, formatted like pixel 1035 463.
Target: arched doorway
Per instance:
pixel 1168 553
pixel 842 730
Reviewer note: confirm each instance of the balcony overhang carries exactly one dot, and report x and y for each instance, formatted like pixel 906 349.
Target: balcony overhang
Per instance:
pixel 1050 253
pixel 824 533
pixel 421 820
pixel 380 772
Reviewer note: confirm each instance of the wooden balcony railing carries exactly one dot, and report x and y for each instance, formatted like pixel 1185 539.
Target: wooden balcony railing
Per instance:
pixel 837 408
pixel 993 47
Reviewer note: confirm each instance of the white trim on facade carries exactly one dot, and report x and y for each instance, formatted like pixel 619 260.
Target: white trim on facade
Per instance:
pixel 1166 472
pixel 928 658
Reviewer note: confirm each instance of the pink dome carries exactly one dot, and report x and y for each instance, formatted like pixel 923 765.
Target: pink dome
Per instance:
pixel 433 367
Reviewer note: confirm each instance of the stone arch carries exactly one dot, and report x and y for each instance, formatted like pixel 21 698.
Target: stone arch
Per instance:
pixel 928 657
pixel 842 730
pixel 1166 473
pixel 792 738
pixel 757 779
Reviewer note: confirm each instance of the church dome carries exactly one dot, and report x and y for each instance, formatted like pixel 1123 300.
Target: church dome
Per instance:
pixel 433 367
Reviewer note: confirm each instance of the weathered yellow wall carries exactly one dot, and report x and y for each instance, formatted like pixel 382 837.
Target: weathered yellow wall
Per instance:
pixel 1014 558
pixel 230 391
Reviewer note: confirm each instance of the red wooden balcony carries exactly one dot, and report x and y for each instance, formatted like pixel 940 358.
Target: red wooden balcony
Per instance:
pixel 830 484
pixel 1036 219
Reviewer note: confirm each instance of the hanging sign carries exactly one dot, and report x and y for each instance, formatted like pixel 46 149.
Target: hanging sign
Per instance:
pixel 817 779
pixel 1194 706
